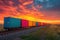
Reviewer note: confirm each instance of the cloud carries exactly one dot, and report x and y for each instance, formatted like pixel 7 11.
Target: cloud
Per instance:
pixel 33 8
pixel 1 10
pixel 9 2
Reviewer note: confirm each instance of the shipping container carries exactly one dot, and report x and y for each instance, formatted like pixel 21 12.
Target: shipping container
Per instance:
pixel 36 24
pixel 10 22
pixel 25 23
pixel 43 24
pixel 39 24
pixel 30 23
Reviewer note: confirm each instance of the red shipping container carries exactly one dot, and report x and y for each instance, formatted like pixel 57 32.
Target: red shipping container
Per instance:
pixel 24 23
pixel 39 23
pixel 42 24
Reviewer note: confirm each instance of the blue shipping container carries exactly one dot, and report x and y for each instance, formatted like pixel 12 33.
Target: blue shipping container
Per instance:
pixel 12 22
pixel 36 23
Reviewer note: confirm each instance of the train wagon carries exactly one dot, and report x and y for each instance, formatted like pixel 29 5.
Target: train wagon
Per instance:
pixel 43 24
pixel 36 24
pixel 10 22
pixel 25 23
pixel 39 24
pixel 30 23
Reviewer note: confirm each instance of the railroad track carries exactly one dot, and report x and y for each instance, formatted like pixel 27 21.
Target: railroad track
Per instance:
pixel 12 35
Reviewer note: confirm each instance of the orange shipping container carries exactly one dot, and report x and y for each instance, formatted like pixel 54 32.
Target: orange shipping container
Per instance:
pixel 42 24
pixel 34 24
pixel 30 23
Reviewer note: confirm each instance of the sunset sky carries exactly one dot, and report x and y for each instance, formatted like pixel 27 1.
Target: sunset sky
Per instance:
pixel 35 10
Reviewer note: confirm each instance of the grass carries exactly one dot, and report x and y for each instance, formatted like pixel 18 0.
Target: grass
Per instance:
pixel 50 32
pixel 1 27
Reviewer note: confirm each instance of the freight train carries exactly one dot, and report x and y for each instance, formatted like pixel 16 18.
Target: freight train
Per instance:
pixel 13 23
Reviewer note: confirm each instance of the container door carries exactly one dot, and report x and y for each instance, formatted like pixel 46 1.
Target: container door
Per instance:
pixel 39 24
pixel 36 24
pixel 24 24
pixel 30 23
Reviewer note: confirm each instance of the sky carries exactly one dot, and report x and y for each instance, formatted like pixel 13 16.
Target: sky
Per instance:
pixel 34 10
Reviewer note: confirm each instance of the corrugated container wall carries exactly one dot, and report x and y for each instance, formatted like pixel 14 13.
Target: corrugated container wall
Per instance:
pixel 34 24
pixel 30 23
pixel 43 24
pixel 24 23
pixel 37 24
pixel 12 22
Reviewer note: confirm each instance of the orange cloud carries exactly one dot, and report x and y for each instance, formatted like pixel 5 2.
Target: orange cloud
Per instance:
pixel 20 11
